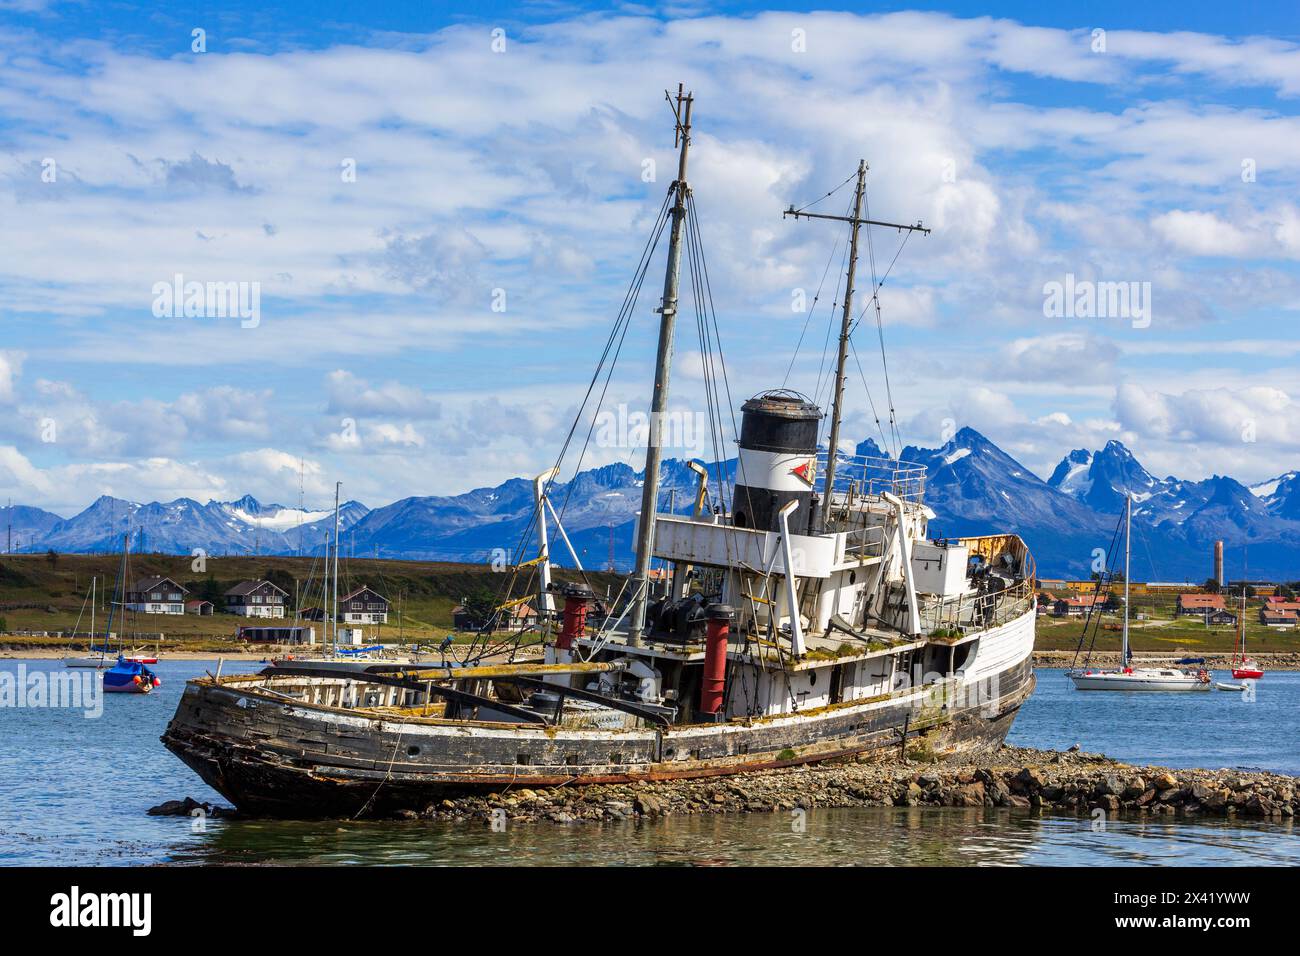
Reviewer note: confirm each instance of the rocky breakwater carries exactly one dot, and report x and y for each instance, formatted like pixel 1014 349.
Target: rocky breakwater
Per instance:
pixel 1034 780
pixel 1014 778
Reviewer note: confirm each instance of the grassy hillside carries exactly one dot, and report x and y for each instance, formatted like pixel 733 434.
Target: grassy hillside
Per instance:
pixel 38 595
pixel 1161 630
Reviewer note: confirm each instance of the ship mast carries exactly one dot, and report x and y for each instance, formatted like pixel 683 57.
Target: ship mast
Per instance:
pixel 659 402
pixel 846 320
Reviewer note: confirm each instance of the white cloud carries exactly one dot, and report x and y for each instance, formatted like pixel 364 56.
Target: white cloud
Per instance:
pixel 10 367
pixel 1237 417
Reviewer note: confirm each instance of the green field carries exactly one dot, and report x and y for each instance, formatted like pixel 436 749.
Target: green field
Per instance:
pixel 1162 631
pixel 36 595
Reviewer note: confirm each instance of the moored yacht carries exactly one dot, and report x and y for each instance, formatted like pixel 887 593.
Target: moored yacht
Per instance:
pixel 1127 677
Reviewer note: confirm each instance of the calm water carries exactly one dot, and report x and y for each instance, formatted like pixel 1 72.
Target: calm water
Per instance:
pixel 75 791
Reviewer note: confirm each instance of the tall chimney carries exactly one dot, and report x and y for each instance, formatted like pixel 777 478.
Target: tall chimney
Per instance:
pixel 1218 562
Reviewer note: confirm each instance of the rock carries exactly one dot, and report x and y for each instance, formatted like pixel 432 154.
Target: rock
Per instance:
pixel 1166 781
pixel 406 815
pixel 1074 749
pixel 1260 806
pixel 1028 780
pixel 182 808
pixel 1110 785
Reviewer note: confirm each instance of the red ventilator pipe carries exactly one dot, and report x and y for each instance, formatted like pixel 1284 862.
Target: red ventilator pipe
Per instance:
pixel 714 682
pixel 577 599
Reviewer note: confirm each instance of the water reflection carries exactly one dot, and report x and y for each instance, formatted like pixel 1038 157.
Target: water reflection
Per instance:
pixel 857 837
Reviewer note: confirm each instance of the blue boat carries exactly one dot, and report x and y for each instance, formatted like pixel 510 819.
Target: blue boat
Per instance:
pixel 129 677
pixel 126 676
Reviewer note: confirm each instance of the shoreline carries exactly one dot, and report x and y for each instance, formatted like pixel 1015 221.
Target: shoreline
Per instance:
pixel 1279 661
pixel 1214 660
pixel 1046 781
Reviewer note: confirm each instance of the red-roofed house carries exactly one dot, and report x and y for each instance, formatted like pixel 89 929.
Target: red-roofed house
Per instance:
pixel 1202 605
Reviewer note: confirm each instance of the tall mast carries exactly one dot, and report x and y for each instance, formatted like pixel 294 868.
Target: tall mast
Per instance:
pixel 663 361
pixel 846 319
pixel 335 643
pixel 1128 526
pixel 846 324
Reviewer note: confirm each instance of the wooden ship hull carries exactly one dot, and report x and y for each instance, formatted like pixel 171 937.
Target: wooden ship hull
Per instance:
pixel 271 756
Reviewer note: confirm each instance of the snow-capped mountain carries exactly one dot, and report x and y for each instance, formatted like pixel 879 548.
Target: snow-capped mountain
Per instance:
pixel 1100 479
pixel 596 506
pixel 1281 495
pixel 973 486
pixel 180 526
pixel 1184 518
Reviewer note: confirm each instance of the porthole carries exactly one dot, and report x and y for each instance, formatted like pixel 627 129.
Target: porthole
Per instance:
pixel 413 751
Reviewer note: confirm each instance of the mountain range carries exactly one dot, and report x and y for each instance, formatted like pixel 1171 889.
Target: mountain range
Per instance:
pixel 973 486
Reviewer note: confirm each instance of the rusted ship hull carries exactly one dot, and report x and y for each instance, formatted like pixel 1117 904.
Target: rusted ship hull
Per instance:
pixel 284 759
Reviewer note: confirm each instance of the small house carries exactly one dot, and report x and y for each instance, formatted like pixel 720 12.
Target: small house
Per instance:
pixel 363 606
pixel 1078 605
pixel 1272 617
pixel 256 599
pixel 156 596
pixel 1201 605
pixel 277 634
pixel 201 608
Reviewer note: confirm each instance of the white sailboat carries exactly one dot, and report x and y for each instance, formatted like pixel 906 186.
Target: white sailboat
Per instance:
pixel 1127 677
pixel 98 659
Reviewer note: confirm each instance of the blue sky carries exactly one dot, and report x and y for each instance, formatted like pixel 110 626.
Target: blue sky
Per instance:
pixel 1162 153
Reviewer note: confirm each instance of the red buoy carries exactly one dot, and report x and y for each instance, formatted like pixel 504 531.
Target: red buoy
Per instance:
pixel 714 681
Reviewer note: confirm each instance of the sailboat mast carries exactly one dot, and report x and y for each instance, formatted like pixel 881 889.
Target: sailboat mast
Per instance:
pixel 846 326
pixel 1128 527
pixel 338 485
pixel 663 363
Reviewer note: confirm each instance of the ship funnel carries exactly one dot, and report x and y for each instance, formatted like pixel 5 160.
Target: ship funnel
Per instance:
pixel 778 459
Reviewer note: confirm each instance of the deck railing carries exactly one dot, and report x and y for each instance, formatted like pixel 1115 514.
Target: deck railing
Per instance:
pixel 857 476
pixel 975 612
